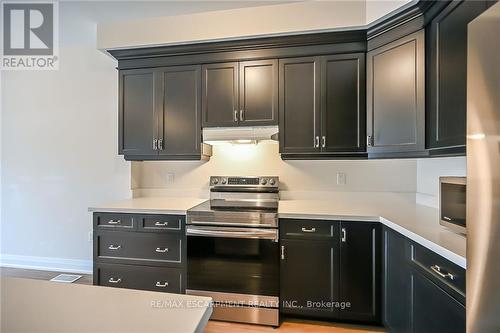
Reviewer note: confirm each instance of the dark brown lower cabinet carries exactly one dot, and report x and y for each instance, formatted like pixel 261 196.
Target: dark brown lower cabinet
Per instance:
pixel 330 270
pixel 140 251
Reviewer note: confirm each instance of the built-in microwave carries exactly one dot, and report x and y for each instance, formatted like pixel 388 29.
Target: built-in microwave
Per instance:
pixel 452 205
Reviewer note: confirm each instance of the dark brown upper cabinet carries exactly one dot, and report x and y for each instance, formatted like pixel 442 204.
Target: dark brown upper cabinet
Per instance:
pixel 138 112
pixel 446 75
pixel 240 94
pixel 322 106
pixel 396 98
pixel 160 114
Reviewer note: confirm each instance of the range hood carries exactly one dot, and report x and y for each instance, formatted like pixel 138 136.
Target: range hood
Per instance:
pixel 252 134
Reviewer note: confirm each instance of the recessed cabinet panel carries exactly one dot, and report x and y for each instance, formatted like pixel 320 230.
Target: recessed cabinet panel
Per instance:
pixel 137 112
pixel 447 73
pixel 258 93
pixel 299 105
pixel 396 96
pixel 220 94
pixel 180 123
pixel 343 103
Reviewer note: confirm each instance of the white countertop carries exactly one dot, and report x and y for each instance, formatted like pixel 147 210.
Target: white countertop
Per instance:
pixel 400 213
pixel 29 305
pixel 156 205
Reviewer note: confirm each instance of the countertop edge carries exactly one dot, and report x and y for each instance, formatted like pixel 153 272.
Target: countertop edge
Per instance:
pixel 137 211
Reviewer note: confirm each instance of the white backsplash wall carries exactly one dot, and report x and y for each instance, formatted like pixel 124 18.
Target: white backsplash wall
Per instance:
pixel 428 172
pixel 263 159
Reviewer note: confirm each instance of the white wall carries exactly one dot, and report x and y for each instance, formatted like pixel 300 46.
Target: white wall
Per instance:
pixel 376 9
pixel 264 159
pixel 428 172
pixel 59 138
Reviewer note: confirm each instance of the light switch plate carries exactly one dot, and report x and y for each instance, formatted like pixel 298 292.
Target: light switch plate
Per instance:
pixel 341 178
pixel 170 178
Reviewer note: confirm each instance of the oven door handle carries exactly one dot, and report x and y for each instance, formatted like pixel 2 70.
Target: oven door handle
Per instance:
pixel 220 232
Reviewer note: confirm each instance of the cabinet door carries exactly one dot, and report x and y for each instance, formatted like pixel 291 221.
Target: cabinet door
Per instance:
pixel 180 121
pixel 220 94
pixel 447 73
pixel 299 107
pixel 343 111
pixel 397 283
pixel 258 93
pixel 360 271
pixel 395 96
pixel 137 112
pixel 434 310
pixel 309 277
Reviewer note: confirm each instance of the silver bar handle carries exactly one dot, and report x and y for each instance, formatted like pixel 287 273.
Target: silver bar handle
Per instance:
pixel 160 250
pixel 211 232
pixel 161 285
pixel 323 143
pixel 445 275
pixel 242 115
pixel 155 144
pixel 236 115
pixel 115 222
pixel 160 144
pixel 114 247
pixel 112 280
pixel 282 254
pixel 344 235
pixel 309 230
pixel 316 142
pixel 161 224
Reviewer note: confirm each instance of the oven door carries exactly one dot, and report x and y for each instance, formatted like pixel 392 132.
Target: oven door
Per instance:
pixel 233 260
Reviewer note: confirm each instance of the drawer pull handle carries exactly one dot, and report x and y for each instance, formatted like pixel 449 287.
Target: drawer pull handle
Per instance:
pixel 160 250
pixel 115 222
pixel 161 285
pixel 114 247
pixel 112 280
pixel 308 229
pixel 445 275
pixel 161 224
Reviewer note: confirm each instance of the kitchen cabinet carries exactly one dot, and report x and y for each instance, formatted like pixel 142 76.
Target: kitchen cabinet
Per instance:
pixel 397 298
pixel 160 114
pixel 396 98
pixel 240 93
pixel 309 277
pixel 360 270
pixel 332 264
pixel 446 76
pixel 140 251
pixel 322 106
pixel 423 292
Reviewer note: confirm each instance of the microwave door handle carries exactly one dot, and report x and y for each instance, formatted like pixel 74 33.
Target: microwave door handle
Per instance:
pixel 255 234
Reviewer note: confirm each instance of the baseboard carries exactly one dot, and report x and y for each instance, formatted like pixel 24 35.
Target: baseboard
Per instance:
pixel 46 263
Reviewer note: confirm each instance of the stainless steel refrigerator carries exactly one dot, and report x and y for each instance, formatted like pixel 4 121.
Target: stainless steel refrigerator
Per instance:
pixel 483 173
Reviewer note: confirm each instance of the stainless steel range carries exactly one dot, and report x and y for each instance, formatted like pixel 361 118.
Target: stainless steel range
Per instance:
pixel 233 251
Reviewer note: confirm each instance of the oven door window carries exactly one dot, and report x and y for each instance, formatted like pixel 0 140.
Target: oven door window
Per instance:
pixel 233 265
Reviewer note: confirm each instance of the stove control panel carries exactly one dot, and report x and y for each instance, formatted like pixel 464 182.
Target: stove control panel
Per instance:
pixel 244 181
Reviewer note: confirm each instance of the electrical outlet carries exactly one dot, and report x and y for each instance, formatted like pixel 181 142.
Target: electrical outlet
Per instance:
pixel 341 178
pixel 170 178
pixel 90 236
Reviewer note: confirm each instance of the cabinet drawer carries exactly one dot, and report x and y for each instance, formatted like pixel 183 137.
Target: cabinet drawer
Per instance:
pixel 135 246
pixel 158 223
pixel 440 269
pixel 308 229
pixel 139 277
pixel 114 221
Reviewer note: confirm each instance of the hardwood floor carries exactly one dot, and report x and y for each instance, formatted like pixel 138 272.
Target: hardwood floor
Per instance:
pixel 288 326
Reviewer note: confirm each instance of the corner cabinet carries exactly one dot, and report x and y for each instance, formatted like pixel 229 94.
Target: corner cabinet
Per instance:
pixel 446 55
pixel 160 114
pixel 240 94
pixel 322 108
pixel 330 269
pixel 396 98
